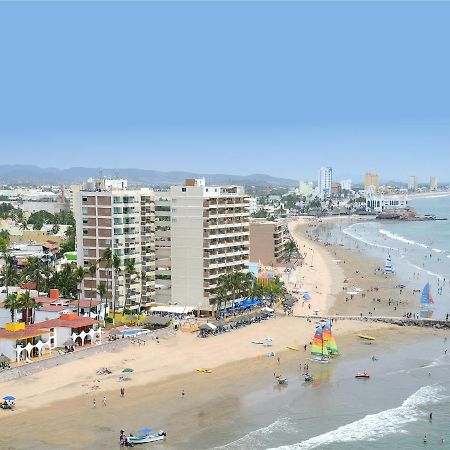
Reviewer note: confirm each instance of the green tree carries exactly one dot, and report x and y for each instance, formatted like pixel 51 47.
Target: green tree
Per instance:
pixel 91 272
pixel 107 260
pixel 130 272
pixel 80 277
pixel 116 272
pixel 102 291
pixel 290 247
pixel 13 303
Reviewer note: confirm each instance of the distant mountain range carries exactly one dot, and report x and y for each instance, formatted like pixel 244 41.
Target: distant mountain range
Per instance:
pixel 27 174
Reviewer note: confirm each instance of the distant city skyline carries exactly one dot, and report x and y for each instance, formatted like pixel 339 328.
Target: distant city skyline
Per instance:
pixel 228 87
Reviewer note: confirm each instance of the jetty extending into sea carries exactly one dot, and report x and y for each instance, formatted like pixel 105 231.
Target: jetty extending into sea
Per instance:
pixel 399 321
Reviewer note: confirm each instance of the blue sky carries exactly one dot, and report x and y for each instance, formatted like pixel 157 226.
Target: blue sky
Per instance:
pixel 279 88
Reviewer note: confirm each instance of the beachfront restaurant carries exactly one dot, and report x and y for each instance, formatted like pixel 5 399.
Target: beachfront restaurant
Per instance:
pixel 81 330
pixel 20 342
pixel 176 312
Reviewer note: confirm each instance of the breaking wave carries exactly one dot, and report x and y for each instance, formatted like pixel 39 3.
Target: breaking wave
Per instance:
pixel 376 426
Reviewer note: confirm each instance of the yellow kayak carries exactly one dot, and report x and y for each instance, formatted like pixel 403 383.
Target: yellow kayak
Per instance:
pixel 203 370
pixel 291 347
pixel 364 336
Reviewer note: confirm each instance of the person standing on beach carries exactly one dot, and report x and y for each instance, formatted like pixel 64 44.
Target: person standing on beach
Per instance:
pixel 182 393
pixel 104 401
pixel 93 403
pixel 122 392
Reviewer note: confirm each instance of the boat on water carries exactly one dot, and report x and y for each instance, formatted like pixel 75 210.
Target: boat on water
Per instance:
pixel 366 337
pixel 319 350
pixel 362 375
pixel 426 299
pixel 329 339
pixel 146 436
pixel 388 267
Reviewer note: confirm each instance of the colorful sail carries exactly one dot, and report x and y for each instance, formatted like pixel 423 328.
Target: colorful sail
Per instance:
pixel 319 347
pixel 388 267
pixel 329 339
pixel 426 299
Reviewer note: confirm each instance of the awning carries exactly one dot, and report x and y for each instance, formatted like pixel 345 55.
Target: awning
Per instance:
pixel 156 320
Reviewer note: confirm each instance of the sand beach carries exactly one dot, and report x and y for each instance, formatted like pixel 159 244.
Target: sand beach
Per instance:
pixel 55 407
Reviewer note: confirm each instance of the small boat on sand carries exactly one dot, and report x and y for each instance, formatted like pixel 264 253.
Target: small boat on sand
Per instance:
pixel 280 379
pixel 366 337
pixel 362 375
pixel 308 378
pixel 145 437
pixel 203 370
pixel 292 347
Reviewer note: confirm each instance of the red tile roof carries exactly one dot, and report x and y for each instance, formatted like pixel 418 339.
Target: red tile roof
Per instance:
pixel 53 308
pixel 85 303
pixel 28 332
pixel 48 300
pixel 78 322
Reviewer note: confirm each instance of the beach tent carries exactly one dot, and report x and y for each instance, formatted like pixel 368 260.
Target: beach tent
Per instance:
pixel 156 320
pixel 4 359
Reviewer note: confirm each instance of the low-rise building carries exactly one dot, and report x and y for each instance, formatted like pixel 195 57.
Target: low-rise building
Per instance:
pixel 381 202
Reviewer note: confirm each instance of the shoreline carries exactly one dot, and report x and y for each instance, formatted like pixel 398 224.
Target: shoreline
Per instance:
pixel 153 395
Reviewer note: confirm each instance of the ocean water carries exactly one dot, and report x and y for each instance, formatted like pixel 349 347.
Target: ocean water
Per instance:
pixel 338 412
pixel 388 411
pixel 420 251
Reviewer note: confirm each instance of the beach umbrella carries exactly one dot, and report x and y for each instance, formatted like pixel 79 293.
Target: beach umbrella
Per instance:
pixel 4 358
pixel 306 296
pixel 69 343
pixel 9 398
pixel 127 370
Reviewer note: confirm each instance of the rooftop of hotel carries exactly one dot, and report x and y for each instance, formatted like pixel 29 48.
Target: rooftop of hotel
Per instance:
pixel 66 321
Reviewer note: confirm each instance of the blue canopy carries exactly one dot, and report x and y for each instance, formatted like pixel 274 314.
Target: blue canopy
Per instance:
pixel 306 296
pixel 145 430
pixel 9 397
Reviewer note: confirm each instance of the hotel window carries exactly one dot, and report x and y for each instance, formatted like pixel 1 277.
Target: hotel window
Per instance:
pixel 85 199
pixel 85 232
pixel 85 252
pixel 183 189
pixel 85 221
pixel 84 210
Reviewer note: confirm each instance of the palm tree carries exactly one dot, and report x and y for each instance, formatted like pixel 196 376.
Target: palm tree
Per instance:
pixel 290 247
pixel 221 297
pixel 27 302
pixel 91 272
pixel 13 303
pixel 116 269
pixel 130 270
pixel 107 259
pixel 103 292
pixel 80 277
pixel 32 271
pixel 10 275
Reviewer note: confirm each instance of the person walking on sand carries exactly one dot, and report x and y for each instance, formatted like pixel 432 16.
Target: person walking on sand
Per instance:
pixel 278 359
pixel 182 393
pixel 93 403
pixel 122 392
pixel 104 401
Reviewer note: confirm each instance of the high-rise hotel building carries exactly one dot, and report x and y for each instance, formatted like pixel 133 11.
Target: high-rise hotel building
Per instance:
pixel 209 237
pixel 109 215
pixel 181 240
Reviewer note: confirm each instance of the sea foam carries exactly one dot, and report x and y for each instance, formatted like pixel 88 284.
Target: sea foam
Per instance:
pixel 259 438
pixel 348 232
pixel 376 426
